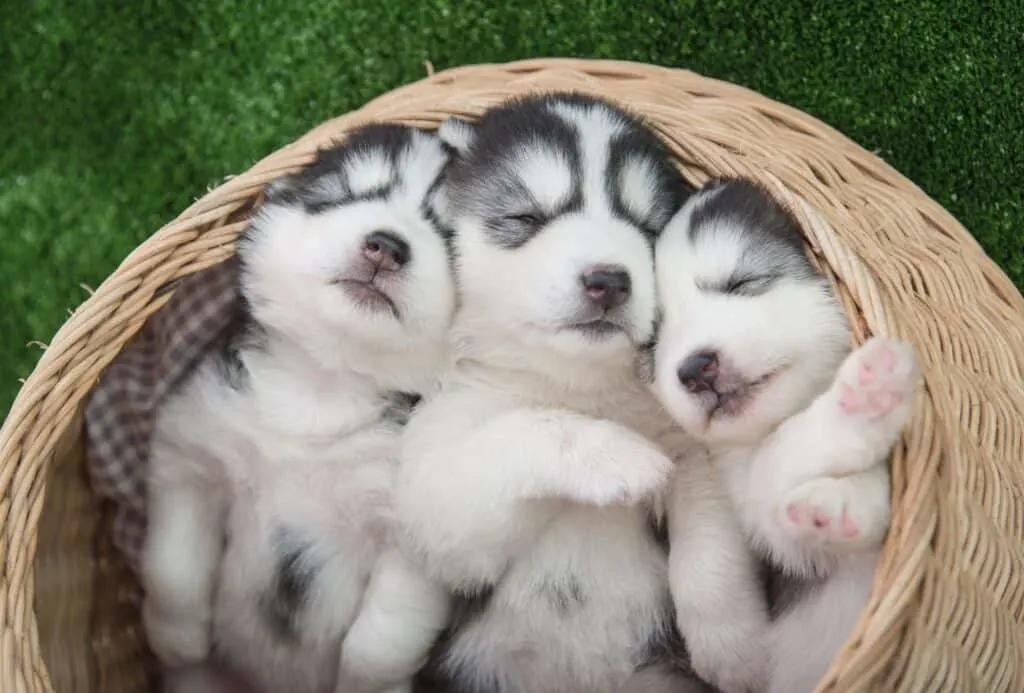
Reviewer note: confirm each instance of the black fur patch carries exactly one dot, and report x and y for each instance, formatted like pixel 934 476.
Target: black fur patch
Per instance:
pixel 658 529
pixel 306 188
pixel 467 606
pixel 429 208
pixel 433 680
pixel 784 591
pixel 295 573
pixel 242 334
pixel 644 358
pixel 564 595
pixel 232 368
pixel 666 647
pixel 752 206
pixel 399 407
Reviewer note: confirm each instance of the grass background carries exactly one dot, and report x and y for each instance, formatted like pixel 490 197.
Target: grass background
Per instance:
pixel 114 116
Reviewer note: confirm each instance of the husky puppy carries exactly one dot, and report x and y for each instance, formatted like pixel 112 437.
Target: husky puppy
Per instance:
pixel 526 483
pixel 753 359
pixel 268 546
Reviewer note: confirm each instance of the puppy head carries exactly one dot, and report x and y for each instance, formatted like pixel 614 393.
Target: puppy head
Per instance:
pixel 751 332
pixel 349 254
pixel 556 201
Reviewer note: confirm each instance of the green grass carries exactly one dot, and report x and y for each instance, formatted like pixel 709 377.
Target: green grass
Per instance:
pixel 114 115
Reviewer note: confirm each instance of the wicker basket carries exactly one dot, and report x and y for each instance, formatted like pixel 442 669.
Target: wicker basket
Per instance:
pixel 947 612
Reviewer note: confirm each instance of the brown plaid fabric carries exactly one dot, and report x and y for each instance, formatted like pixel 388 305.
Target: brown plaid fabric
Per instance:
pixel 120 412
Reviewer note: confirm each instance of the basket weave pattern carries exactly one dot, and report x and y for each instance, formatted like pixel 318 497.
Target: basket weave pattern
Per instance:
pixel 947 611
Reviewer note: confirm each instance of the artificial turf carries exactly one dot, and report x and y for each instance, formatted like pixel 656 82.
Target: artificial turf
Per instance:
pixel 115 115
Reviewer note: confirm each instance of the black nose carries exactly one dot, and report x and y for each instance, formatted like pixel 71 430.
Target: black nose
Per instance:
pixel 608 287
pixel 698 371
pixel 386 250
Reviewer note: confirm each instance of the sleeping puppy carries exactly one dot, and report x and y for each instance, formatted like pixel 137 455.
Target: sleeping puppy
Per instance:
pixel 268 547
pixel 753 360
pixel 527 483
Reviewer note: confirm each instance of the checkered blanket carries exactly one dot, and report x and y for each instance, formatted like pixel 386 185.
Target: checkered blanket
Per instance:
pixel 120 412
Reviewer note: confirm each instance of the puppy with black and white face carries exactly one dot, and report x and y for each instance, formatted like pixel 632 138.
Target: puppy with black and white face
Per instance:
pixel 269 544
pixel 753 359
pixel 526 484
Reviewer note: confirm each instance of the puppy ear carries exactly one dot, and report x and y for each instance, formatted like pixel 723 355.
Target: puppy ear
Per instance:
pixel 458 134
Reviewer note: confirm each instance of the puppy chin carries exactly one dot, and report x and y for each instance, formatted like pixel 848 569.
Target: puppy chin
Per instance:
pixel 748 428
pixel 352 321
pixel 722 427
pixel 593 345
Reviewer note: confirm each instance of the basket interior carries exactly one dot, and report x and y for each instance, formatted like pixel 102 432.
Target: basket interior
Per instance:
pixel 90 635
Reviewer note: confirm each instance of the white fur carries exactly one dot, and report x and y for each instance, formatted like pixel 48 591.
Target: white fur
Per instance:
pixel 792 446
pixel 532 471
pixel 304 445
pixel 201 678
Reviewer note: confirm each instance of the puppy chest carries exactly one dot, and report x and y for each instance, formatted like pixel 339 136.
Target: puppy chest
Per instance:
pixel 315 477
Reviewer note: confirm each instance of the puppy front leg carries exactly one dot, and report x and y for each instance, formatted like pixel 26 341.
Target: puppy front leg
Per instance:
pixel 402 614
pixel 721 610
pixel 469 506
pixel 179 565
pixel 822 479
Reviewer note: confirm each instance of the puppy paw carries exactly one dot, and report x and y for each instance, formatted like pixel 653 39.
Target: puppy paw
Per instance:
pixel 732 656
pixel 850 512
pixel 616 466
pixel 877 381
pixel 177 638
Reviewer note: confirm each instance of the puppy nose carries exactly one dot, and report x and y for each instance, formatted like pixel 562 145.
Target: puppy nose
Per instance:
pixel 698 372
pixel 386 250
pixel 608 287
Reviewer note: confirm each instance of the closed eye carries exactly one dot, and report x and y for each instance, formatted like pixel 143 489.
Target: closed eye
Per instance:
pixel 514 230
pixel 526 219
pixel 748 285
pixel 741 285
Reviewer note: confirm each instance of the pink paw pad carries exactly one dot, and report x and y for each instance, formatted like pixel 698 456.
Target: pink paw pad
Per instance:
pixel 882 360
pixel 848 400
pixel 808 517
pixel 878 385
pixel 795 513
pixel 820 520
pixel 848 527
